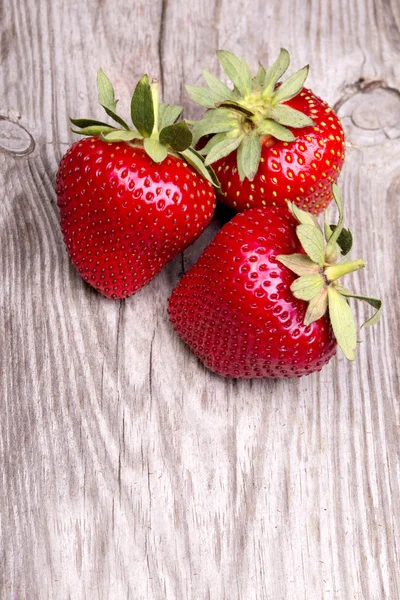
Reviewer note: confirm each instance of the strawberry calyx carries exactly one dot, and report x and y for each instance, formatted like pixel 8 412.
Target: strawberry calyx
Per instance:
pixel 320 268
pixel 155 125
pixel 242 117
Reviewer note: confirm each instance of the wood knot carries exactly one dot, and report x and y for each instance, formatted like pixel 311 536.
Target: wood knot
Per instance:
pixel 14 138
pixel 370 112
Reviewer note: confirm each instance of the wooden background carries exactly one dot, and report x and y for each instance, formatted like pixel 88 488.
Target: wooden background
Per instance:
pixel 127 470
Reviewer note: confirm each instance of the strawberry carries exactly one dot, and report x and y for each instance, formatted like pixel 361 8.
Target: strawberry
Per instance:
pixel 244 313
pixel 270 143
pixel 131 199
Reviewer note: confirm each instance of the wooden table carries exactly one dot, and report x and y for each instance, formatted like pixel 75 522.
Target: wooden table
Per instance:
pixel 128 471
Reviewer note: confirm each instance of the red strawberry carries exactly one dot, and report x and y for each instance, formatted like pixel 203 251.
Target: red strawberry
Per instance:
pixel 129 200
pixel 272 142
pixel 244 313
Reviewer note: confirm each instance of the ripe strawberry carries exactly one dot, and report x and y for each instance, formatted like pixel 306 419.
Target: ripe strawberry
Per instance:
pixel 131 199
pixel 271 142
pixel 244 313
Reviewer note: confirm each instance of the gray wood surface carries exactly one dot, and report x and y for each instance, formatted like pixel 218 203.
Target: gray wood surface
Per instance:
pixel 127 470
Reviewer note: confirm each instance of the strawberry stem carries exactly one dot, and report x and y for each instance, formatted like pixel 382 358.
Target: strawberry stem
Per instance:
pixel 336 271
pixel 155 92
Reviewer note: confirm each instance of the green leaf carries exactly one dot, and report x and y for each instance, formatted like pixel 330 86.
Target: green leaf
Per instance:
pixel 285 115
pixel 203 96
pixel 342 321
pixel 157 151
pixel 375 302
pixel 316 307
pixel 196 160
pixel 218 87
pixel 344 241
pixel 301 264
pixel 94 130
pixel 269 127
pixel 142 108
pixel 291 87
pixel 120 135
pixel 223 148
pixel 275 72
pixel 107 99
pixel 82 123
pixel 237 71
pixel 307 286
pixel 312 241
pixel 248 157
pixel 168 114
pixel 214 121
pixel 301 215
pixel 178 136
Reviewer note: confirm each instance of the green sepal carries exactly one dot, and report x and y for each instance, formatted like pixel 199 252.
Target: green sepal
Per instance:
pixel 218 87
pixel 331 246
pixel 178 136
pixel 259 80
pixel 142 108
pixel 106 96
pixel 344 241
pixel 116 118
pixel 307 286
pixel 270 127
pixel 285 115
pixel 197 161
pixel 83 123
pixel 375 302
pixel 275 72
pixel 223 148
pixel 168 114
pixel 248 157
pixel 237 70
pixel 302 216
pixel 291 87
pixel 216 139
pixel 157 151
pixel 251 103
pixel 94 130
pixel 342 321
pixel 120 135
pixel 312 240
pixel 317 307
pixel 301 264
pixel 203 96
pixel 214 121
pixel 106 92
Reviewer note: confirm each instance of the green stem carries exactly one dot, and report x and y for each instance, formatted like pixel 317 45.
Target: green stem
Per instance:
pixel 336 271
pixel 155 92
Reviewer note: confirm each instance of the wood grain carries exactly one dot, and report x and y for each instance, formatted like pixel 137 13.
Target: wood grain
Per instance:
pixel 128 470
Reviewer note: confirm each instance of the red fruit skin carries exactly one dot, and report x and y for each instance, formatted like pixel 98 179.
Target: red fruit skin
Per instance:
pixel 124 216
pixel 234 307
pixel 301 171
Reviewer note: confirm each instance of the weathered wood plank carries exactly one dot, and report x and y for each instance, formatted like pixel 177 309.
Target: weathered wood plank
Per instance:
pixel 128 470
